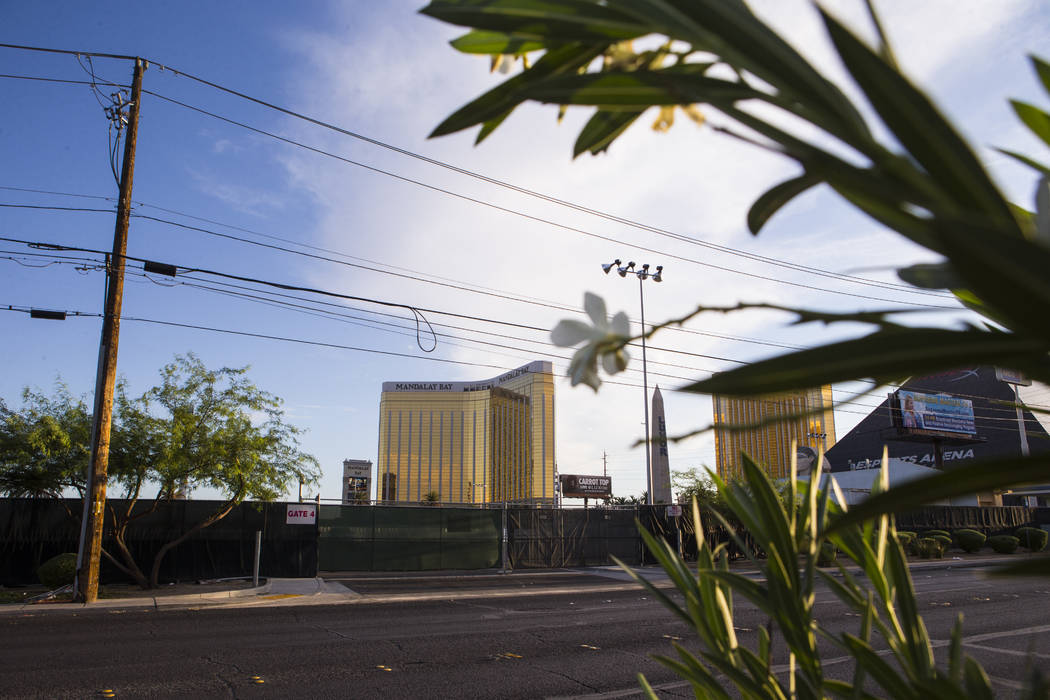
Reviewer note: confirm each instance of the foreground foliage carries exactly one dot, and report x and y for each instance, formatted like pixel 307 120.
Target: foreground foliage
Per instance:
pixel 891 649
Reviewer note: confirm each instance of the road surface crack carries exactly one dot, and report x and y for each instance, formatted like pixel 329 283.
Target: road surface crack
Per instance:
pixel 230 685
pixel 568 678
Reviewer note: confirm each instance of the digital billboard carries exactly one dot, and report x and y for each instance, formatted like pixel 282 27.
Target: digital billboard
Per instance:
pixel 578 486
pixel 934 414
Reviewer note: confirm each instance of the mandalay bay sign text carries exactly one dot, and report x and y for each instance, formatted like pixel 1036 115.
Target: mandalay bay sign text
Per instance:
pixel 538 367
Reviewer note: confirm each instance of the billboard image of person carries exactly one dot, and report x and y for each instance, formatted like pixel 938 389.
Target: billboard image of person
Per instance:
pixel 911 416
pixel 806 460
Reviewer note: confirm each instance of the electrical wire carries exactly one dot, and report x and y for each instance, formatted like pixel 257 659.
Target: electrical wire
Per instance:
pixel 504 184
pixel 550 222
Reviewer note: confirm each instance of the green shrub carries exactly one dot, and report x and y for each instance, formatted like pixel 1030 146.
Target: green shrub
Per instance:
pixel 1032 538
pixel 945 540
pixel 58 571
pixel 828 554
pixel 1004 544
pixel 934 533
pixel 929 548
pixel 970 540
pixel 908 542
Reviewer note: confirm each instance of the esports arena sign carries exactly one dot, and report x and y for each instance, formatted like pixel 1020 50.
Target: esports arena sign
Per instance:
pixel 577 486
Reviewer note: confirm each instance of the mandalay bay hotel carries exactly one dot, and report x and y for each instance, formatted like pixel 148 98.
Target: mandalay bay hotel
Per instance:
pixel 490 441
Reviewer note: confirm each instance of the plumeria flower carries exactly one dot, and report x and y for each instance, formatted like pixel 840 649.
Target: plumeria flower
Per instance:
pixel 603 339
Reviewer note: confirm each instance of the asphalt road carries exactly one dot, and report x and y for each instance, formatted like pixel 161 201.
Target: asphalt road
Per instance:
pixel 586 643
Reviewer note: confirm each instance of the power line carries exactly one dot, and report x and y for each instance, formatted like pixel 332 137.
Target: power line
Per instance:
pixel 414 276
pixel 96 264
pixel 566 227
pixel 507 185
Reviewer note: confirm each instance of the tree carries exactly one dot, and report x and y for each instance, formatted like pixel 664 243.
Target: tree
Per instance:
pixel 692 484
pixel 44 447
pixel 197 428
pixel 629 500
pixel 924 182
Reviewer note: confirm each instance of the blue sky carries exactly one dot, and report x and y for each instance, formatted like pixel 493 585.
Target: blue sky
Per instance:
pixel 382 71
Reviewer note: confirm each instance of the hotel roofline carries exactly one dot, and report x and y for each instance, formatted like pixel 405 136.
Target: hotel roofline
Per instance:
pixel 537 367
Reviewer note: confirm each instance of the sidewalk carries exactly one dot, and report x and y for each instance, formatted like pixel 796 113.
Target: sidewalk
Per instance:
pixel 338 588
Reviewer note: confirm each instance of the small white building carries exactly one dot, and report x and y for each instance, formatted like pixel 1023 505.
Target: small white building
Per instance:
pixel 857 485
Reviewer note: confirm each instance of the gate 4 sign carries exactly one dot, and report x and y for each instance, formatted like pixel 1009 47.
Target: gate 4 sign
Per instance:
pixel 301 514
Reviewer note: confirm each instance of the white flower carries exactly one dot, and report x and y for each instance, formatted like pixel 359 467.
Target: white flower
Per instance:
pixel 603 339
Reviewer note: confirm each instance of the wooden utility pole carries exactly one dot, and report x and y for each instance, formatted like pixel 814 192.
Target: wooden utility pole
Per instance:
pixel 90 550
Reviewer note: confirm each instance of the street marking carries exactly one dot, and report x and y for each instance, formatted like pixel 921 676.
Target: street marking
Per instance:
pixel 1012 685
pixel 589 646
pixel 1008 652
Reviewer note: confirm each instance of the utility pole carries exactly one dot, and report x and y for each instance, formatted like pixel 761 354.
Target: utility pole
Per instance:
pixel 90 550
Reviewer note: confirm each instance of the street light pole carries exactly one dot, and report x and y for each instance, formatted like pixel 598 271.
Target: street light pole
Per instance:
pixel 642 274
pixel 645 398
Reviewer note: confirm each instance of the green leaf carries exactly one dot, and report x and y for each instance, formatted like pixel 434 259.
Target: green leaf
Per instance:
pixel 546 20
pixel 978 687
pixel 1042 69
pixel 602 129
pixel 955 652
pixel 646 688
pixel 776 197
pixel 887 192
pixel 498 102
pixel 1034 118
pixel 885 675
pixel 883 356
pixel 931 276
pixel 1008 273
pixel 490 126
pixel 481 42
pixel 1031 163
pixel 975 478
pixel 731 31
pixel 678 85
pixel 918 125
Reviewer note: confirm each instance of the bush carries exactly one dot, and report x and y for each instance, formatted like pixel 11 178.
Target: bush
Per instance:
pixel 1032 538
pixel 58 571
pixel 929 548
pixel 907 540
pixel 970 540
pixel 828 553
pixel 945 540
pixel 1004 544
pixel 934 533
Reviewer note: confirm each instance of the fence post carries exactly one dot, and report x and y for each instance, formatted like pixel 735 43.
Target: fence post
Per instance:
pixel 641 542
pixel 258 549
pixel 504 563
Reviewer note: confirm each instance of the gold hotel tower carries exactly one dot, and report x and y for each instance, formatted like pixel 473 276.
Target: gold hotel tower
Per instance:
pixel 770 445
pixel 490 441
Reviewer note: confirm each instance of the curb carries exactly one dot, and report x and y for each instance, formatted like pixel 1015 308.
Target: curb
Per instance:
pixel 155 602
pixel 318 591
